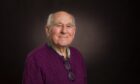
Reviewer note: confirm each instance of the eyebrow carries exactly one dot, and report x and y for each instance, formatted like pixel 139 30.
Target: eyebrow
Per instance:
pixel 55 23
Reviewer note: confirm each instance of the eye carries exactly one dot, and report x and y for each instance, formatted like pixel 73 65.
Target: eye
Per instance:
pixel 69 26
pixel 58 25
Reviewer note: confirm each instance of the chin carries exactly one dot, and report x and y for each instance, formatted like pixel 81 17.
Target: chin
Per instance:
pixel 64 44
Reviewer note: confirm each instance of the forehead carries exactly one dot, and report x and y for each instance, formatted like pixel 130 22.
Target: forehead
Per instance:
pixel 62 17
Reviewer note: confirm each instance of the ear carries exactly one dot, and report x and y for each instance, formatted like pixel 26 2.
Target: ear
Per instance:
pixel 47 31
pixel 75 30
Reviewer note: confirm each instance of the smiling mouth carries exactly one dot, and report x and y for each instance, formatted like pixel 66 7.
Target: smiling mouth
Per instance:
pixel 63 37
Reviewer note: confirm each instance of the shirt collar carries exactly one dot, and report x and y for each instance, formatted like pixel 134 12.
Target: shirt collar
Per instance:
pixel 68 53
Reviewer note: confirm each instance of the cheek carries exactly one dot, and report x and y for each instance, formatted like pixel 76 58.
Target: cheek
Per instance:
pixel 55 32
pixel 72 32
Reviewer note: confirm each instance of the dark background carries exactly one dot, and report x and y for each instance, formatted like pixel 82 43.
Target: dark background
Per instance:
pixel 105 36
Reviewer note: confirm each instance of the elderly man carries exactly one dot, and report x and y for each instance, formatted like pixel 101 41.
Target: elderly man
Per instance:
pixel 56 62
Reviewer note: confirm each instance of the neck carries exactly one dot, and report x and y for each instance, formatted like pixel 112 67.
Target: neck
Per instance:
pixel 62 51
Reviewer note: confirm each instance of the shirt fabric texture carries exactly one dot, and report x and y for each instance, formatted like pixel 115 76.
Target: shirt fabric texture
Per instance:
pixel 44 65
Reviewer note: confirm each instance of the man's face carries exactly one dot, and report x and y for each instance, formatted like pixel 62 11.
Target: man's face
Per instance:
pixel 62 31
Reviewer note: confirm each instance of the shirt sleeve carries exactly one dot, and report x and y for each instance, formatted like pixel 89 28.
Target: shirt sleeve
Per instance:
pixel 85 72
pixel 32 73
pixel 84 68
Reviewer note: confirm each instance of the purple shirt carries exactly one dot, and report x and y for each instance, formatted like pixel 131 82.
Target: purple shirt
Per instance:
pixel 44 66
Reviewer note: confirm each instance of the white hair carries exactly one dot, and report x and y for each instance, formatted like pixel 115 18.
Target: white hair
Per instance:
pixel 50 19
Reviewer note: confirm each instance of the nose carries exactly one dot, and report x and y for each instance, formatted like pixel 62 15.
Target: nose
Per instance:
pixel 64 29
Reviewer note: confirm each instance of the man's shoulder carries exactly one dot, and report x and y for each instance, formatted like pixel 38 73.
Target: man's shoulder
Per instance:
pixel 75 50
pixel 38 51
pixel 76 54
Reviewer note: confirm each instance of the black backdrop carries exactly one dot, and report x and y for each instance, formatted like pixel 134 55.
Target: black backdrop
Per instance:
pixel 109 63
